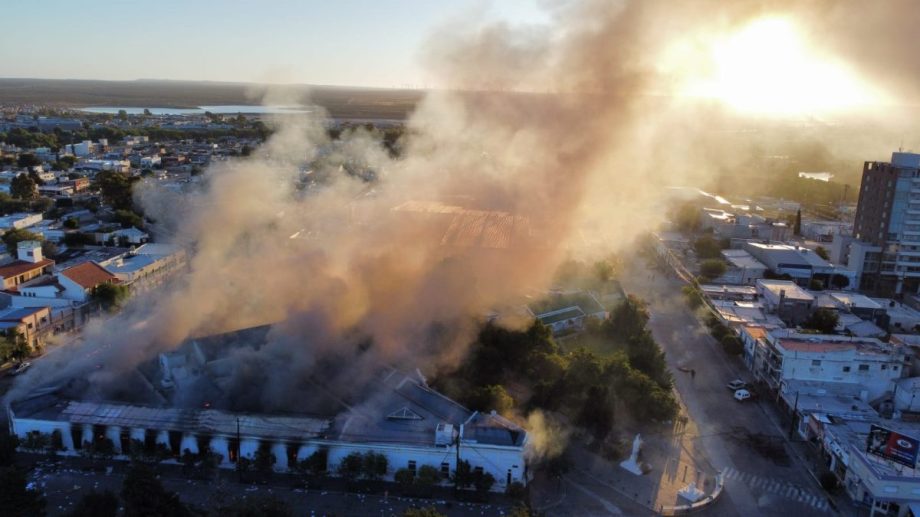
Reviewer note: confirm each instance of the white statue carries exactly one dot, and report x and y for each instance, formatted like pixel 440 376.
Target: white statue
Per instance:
pixel 691 492
pixel 632 464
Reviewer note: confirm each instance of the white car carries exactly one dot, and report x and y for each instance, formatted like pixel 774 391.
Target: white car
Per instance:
pixel 736 385
pixel 742 395
pixel 21 367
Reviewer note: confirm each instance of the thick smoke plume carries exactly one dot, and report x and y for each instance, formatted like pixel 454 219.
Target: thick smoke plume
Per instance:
pixel 548 141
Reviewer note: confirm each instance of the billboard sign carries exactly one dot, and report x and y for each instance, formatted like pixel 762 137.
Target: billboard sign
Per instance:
pixel 893 446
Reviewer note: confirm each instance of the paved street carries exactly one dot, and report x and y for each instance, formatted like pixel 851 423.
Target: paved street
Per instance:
pixel 756 483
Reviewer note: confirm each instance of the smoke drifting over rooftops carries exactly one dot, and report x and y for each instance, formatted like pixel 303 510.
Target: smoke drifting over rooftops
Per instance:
pixel 393 260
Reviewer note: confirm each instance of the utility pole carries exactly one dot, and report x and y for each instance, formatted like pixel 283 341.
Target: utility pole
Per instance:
pixel 239 450
pixel 795 409
pixel 457 467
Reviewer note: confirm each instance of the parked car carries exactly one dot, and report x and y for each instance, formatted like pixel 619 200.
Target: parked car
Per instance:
pixel 742 395
pixel 736 385
pixel 21 367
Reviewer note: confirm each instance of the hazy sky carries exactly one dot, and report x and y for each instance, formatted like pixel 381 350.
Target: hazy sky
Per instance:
pixel 347 42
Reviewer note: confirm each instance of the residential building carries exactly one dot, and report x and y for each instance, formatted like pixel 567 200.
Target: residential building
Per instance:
pixel 782 355
pixel 567 312
pixel 743 268
pixel 886 252
pixel 785 299
pixel 33 323
pixel 147 266
pixel 80 281
pixel 29 264
pixel 19 221
pixel 801 264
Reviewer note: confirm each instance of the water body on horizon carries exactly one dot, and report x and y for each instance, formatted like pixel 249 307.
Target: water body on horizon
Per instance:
pixel 217 110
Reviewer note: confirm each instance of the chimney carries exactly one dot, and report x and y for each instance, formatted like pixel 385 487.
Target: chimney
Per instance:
pixel 29 251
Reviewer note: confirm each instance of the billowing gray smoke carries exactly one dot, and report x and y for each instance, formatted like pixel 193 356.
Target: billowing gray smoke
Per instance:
pixel 393 261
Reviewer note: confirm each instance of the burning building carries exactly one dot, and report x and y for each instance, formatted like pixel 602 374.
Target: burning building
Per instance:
pixel 394 414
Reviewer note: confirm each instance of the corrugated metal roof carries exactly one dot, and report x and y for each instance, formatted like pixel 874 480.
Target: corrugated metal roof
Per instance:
pixel 195 421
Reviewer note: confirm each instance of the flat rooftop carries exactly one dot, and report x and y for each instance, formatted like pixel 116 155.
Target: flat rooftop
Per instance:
pixel 790 290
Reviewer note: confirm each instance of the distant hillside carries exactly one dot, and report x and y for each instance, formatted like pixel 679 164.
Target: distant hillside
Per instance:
pixel 341 102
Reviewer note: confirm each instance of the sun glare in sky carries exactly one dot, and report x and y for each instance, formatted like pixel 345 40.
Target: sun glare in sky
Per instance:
pixel 768 68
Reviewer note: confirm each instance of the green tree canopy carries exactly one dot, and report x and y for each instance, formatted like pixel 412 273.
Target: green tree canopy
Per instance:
pixel 712 268
pixel 707 247
pixel 23 187
pixel 823 320
pixel 27 160
pixel 116 189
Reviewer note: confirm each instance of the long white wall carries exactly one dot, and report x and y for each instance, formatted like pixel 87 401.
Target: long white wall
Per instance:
pixel 503 463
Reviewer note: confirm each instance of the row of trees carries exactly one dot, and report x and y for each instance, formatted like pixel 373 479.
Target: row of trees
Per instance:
pixel 581 384
pixel 31 138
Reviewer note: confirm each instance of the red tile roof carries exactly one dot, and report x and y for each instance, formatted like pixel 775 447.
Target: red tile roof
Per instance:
pixel 21 266
pixel 89 274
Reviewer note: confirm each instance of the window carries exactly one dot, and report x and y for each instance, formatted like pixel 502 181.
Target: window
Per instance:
pixel 864 367
pixel 816 362
pixel 445 470
pixel 884 367
pixel 412 466
pixel 846 369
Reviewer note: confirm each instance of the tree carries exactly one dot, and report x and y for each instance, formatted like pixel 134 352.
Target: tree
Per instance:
pixel 95 504
pixel 147 112
pixel 427 476
pixel 23 187
pixel 246 150
pixel 839 281
pixel 35 177
pixel 72 223
pixel 144 495
pixel 49 249
pixel 687 218
pixel 36 441
pixel 823 320
pixel 116 189
pixel 14 347
pixel 373 465
pixel 491 397
pixel 13 237
pixel 712 268
pixel 129 219
pixel 314 464
pixel 797 229
pixel 815 284
pixel 463 475
pixel 122 115
pixel 603 270
pixel 404 477
pixel 15 498
pixel 111 296
pixel 350 467
pixel 483 481
pixel 732 345
pixel 706 247
pixel 822 252
pixel 27 160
